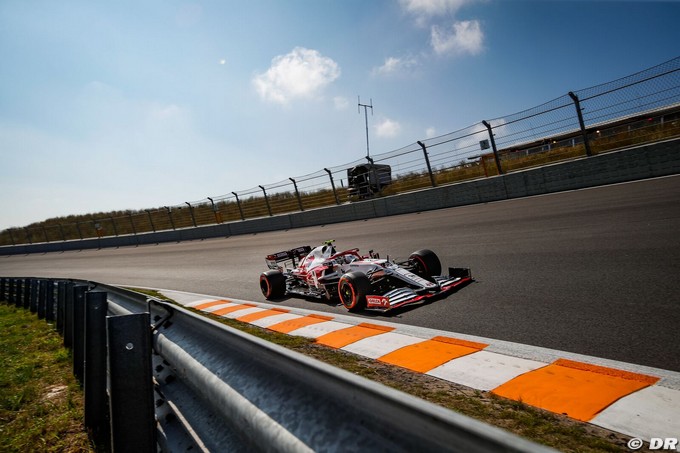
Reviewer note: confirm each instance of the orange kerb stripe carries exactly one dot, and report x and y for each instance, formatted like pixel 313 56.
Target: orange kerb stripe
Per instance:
pixel 294 324
pixel 576 389
pixel 211 304
pixel 261 314
pixel 430 354
pixel 343 337
pixel 225 310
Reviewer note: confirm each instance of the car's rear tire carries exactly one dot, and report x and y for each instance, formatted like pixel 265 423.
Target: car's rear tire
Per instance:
pixel 352 290
pixel 273 284
pixel 426 263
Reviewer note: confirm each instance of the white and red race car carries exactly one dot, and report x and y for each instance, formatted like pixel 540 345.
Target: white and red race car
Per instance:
pixel 360 282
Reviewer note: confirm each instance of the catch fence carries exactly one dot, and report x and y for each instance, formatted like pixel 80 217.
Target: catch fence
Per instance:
pixel 637 109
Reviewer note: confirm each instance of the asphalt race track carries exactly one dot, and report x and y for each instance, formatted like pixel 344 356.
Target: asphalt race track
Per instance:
pixel 594 271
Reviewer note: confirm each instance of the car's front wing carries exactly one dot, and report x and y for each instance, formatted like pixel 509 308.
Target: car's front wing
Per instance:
pixel 399 297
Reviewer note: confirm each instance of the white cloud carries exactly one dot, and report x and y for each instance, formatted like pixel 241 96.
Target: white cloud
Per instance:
pixel 430 132
pixel 387 128
pixel 423 10
pixel 432 7
pixel 465 37
pixel 302 73
pixel 341 103
pixel 395 65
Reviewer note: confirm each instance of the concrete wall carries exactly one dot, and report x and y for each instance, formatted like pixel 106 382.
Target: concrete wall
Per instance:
pixel 659 159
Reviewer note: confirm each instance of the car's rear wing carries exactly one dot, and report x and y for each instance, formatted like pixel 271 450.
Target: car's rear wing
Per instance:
pixel 293 255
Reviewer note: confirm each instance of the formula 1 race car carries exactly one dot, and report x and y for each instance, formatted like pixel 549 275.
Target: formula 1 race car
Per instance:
pixel 359 282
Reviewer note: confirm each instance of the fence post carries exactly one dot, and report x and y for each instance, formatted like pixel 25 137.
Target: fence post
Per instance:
pixel 131 387
pixel 79 331
pixel 172 223
pixel 240 209
pixel 45 233
pixel 216 212
pixel 493 146
pixel 132 224
pixel 80 233
pixel 297 194
pixel 191 213
pixel 153 227
pixel 335 193
pixel 427 161
pixel 3 288
pixel 11 236
pixel 266 199
pixel 61 230
pixel 28 235
pixel 582 125
pixel 96 410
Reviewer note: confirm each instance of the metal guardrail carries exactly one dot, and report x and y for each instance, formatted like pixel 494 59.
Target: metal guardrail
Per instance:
pixel 178 381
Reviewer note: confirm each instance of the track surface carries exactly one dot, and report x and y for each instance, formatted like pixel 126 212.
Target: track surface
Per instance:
pixel 593 271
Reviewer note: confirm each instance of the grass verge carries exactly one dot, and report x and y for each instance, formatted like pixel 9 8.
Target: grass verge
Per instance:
pixel 41 404
pixel 554 430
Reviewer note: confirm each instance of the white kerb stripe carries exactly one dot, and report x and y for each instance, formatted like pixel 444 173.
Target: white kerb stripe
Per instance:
pixel 380 345
pixel 275 319
pixel 484 370
pixel 319 329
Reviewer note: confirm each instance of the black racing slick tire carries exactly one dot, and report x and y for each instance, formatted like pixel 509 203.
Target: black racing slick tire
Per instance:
pixel 272 284
pixel 426 263
pixel 352 290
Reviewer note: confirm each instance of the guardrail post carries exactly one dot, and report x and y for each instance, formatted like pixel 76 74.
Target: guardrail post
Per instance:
pixel 49 301
pixel 133 424
pixel 10 291
pixel 240 208
pixel 79 331
pixel 427 161
pixel 96 409
pixel 61 301
pixel 68 315
pixel 35 294
pixel 582 125
pixel 335 193
pixel 493 146
pixel 266 199
pixel 297 194
pixel 42 299
pixel 26 297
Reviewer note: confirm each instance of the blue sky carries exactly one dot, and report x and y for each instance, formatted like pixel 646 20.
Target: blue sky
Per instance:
pixel 139 104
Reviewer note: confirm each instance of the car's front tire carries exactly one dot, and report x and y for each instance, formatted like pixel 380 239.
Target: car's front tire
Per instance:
pixel 426 263
pixel 352 290
pixel 272 284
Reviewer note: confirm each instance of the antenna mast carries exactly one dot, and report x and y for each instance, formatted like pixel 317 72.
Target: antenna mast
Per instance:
pixel 366 107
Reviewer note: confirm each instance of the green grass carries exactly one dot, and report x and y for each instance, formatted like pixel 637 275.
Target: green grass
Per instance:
pixel 41 404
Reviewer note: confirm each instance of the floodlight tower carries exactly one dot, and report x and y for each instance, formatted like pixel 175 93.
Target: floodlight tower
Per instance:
pixel 366 107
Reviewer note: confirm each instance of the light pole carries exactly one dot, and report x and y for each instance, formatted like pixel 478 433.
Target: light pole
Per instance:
pixel 366 107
